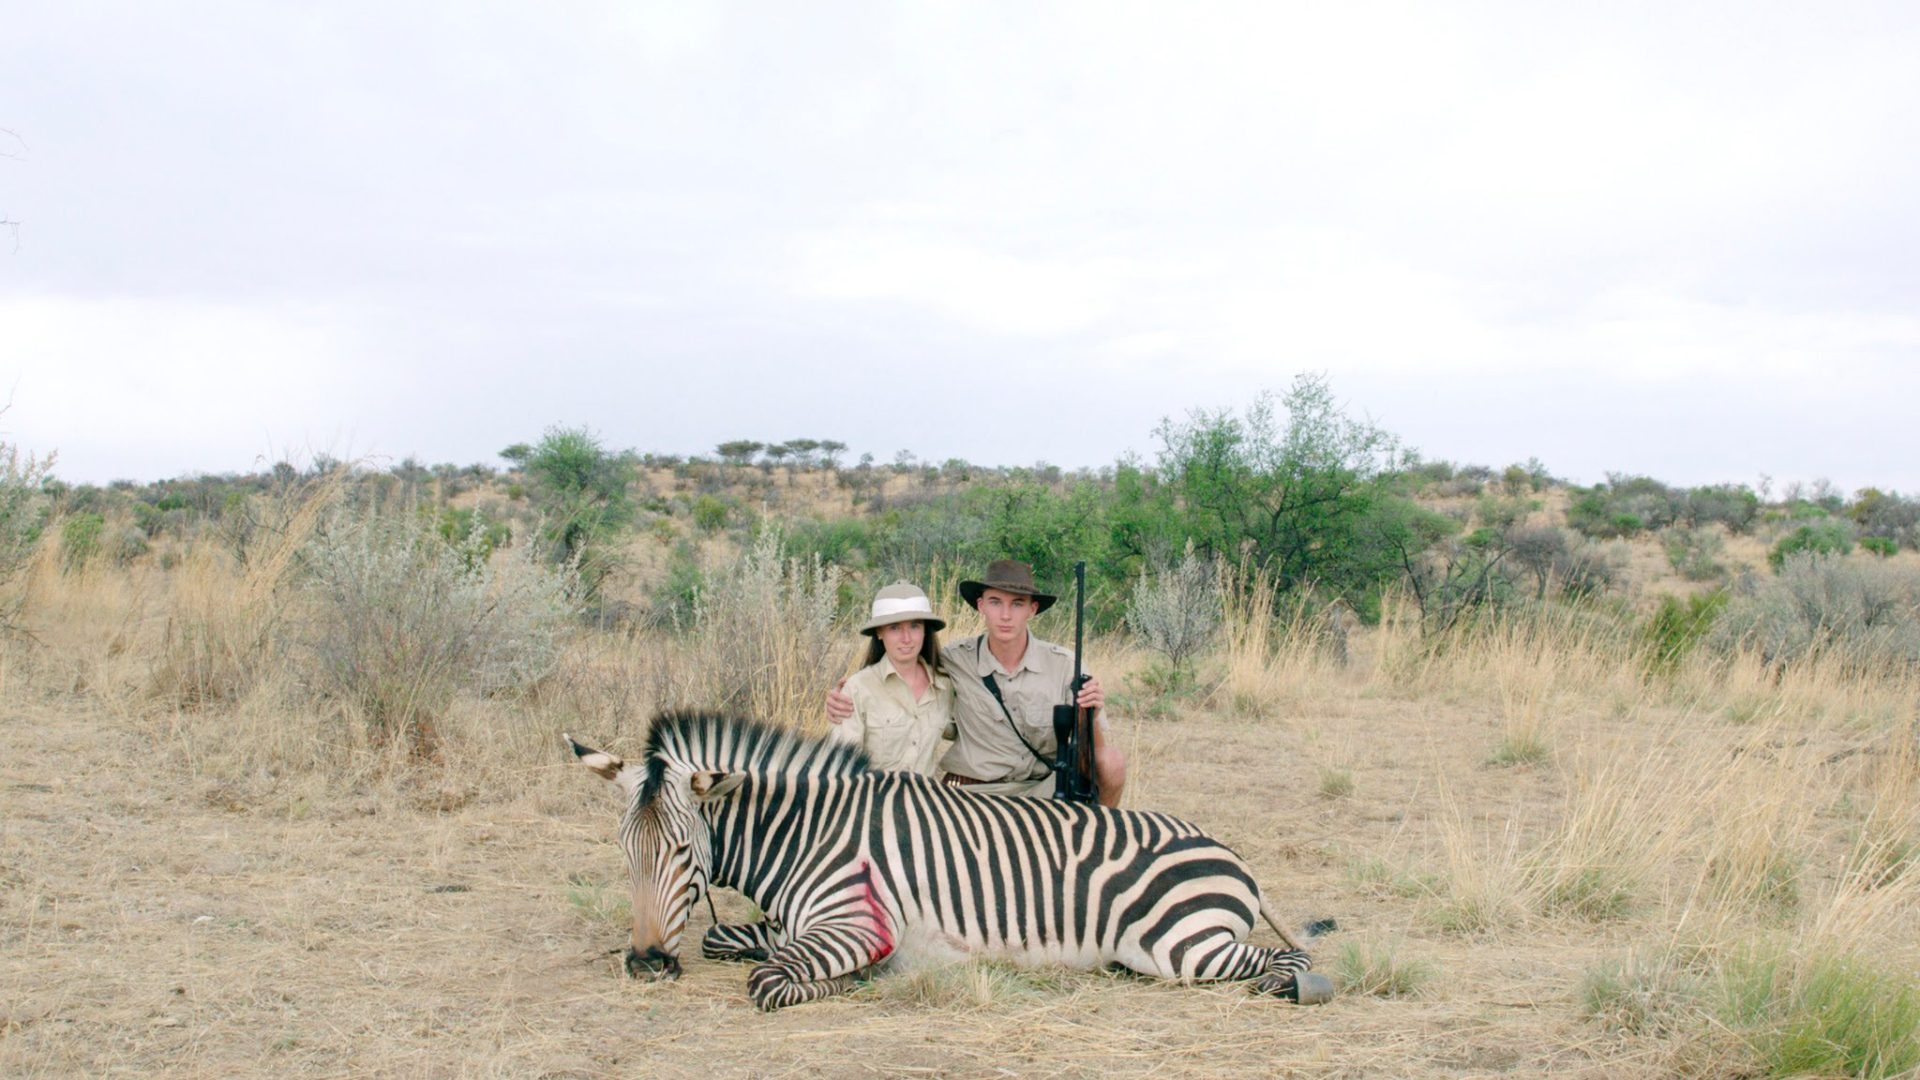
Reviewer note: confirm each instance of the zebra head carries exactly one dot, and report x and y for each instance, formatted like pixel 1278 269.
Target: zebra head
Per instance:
pixel 668 849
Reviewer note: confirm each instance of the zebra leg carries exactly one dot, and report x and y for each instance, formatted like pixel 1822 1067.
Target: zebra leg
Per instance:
pixel 1286 976
pixel 1219 955
pixel 738 941
pixel 818 964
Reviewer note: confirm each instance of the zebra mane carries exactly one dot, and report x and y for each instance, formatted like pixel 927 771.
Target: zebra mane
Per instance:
pixel 703 742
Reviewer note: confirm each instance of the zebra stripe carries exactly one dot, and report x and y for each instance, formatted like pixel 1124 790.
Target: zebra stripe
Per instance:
pixel 848 864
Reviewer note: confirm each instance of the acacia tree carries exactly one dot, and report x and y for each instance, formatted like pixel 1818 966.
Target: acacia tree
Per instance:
pixel 803 451
pixel 739 451
pixel 1292 485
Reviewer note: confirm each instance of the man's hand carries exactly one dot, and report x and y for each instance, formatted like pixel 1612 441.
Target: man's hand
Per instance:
pixel 1091 696
pixel 840 706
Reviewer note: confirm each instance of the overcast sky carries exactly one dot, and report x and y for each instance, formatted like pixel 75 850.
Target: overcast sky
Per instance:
pixel 1677 239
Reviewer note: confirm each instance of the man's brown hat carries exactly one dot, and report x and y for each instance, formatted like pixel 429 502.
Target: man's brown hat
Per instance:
pixel 1007 575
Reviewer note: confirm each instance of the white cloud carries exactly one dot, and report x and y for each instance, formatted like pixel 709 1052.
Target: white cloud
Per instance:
pixel 989 291
pixel 146 387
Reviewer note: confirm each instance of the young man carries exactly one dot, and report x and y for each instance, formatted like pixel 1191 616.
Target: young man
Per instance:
pixel 1009 751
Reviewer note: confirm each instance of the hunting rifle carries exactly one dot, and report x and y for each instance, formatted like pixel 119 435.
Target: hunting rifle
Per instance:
pixel 1074 779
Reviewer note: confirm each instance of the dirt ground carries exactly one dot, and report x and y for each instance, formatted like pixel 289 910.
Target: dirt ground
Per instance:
pixel 156 920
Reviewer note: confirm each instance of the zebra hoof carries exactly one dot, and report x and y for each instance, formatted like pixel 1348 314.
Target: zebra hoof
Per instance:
pixel 1312 988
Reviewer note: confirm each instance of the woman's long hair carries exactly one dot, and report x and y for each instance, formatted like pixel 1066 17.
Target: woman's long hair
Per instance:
pixel 929 648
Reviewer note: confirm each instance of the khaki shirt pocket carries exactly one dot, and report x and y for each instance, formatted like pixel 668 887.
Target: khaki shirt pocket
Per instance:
pixel 889 739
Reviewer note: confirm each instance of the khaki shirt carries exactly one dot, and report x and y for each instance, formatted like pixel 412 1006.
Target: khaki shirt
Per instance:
pixel 987 748
pixel 898 733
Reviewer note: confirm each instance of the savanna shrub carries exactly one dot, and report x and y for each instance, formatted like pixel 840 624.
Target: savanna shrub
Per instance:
pixel 1587 569
pixel 1176 609
pixel 709 513
pixel 126 544
pixel 1888 515
pixel 840 541
pixel 1695 553
pixel 148 518
pixel 765 626
pixel 1494 512
pixel 473 534
pixel 1879 545
pixel 1589 514
pixel 1732 505
pixel 673 595
pixel 1623 506
pixel 1867 612
pixel 401 620
pixel 1535 549
pixel 1827 537
pixel 23 514
pixel 1677 625
pixel 80 540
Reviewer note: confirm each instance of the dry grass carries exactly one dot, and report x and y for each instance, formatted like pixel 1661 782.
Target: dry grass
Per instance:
pixel 1274 657
pixel 236 881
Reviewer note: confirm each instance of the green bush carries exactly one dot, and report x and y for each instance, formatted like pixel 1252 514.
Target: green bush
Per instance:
pixel 80 540
pixel 473 535
pixel 1623 506
pixel 582 490
pixel 23 514
pixel 1677 626
pixel 1695 553
pixel 1294 483
pixel 1733 505
pixel 841 540
pixel 1879 545
pixel 672 598
pixel 709 513
pixel 148 518
pixel 1827 537
pixel 1888 515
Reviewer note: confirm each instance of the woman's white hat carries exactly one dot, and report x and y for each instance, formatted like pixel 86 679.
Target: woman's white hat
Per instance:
pixel 901 602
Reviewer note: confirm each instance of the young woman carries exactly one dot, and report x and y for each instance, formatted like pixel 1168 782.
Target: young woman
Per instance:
pixel 902 700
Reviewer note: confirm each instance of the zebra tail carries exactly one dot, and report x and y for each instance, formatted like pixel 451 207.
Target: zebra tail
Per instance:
pixel 1266 912
pixel 1312 930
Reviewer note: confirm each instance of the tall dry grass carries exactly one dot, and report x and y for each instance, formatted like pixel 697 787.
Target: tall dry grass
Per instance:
pixel 766 637
pixel 226 609
pixel 1275 652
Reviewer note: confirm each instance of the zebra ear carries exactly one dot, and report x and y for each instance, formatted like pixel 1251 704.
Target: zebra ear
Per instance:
pixel 715 785
pixel 607 766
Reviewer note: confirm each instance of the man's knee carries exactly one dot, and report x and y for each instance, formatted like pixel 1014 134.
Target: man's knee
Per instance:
pixel 1112 766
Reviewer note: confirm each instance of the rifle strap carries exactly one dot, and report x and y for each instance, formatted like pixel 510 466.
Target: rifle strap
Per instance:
pixel 993 687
